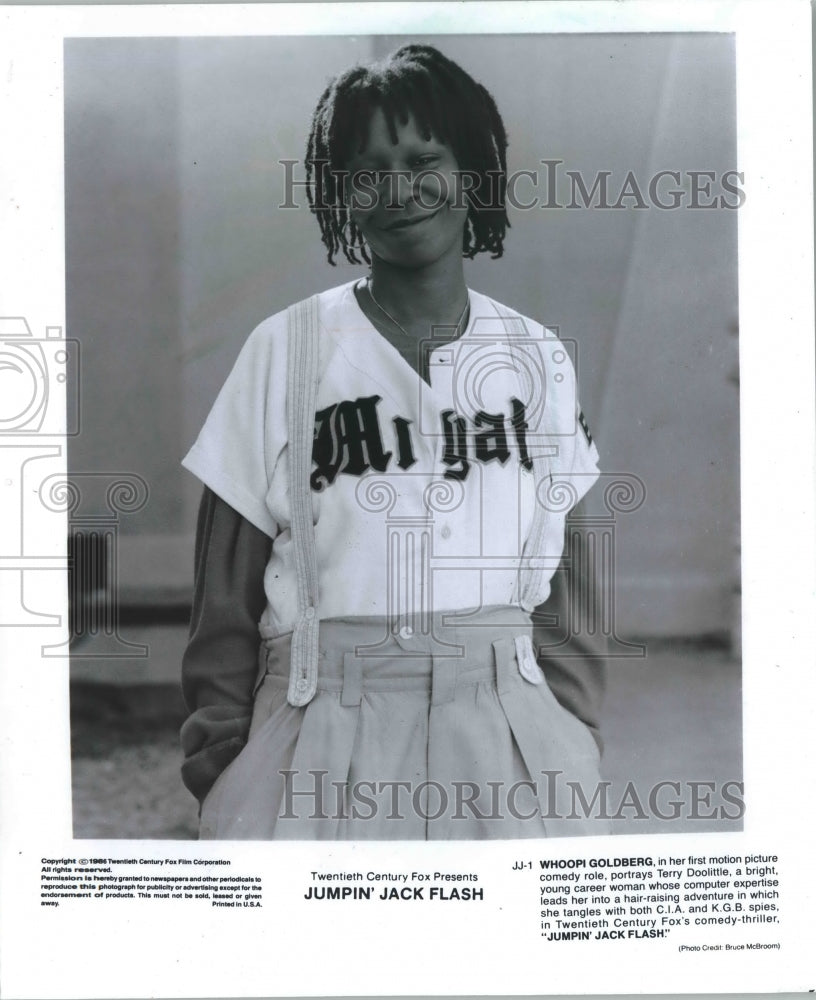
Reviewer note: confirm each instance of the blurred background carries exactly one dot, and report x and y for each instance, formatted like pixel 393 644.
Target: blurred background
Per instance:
pixel 176 249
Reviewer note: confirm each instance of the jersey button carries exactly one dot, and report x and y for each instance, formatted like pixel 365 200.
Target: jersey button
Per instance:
pixel 309 613
pixel 445 532
pixel 406 632
pixel 301 685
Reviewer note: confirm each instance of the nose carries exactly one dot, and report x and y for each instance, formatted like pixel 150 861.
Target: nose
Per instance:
pixel 398 188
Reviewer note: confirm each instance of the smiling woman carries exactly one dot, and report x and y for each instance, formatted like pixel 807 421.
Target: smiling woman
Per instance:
pixel 413 218
pixel 403 155
pixel 416 184
pixel 388 470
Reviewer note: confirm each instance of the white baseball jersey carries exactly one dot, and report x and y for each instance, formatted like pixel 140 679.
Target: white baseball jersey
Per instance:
pixel 424 492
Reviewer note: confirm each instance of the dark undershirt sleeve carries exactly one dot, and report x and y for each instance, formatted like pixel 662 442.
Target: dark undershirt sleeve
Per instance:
pixel 220 664
pixel 574 665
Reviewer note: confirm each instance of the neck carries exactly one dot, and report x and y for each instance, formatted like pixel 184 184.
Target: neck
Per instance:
pixel 435 294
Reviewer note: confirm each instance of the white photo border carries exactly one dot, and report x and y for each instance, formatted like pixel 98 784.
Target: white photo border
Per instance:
pixel 302 952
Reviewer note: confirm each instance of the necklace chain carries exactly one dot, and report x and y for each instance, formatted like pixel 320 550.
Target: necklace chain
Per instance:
pixel 399 325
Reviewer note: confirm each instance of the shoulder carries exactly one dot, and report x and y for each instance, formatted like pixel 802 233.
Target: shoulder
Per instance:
pixel 331 303
pixel 544 364
pixel 265 347
pixel 485 306
pixel 517 327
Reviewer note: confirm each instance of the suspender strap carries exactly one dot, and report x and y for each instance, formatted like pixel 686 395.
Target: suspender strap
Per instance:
pixel 301 395
pixel 531 571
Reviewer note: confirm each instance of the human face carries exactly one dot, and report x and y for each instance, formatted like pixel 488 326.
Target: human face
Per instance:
pixel 403 197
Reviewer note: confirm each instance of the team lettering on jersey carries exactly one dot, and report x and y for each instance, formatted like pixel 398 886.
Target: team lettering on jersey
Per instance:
pixel 348 439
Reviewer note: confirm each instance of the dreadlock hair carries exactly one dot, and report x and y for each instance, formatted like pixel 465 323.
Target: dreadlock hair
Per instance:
pixel 446 104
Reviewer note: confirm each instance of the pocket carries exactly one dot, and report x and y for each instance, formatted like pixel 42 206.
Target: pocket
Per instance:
pixel 208 818
pixel 208 827
pixel 243 804
pixel 530 670
pixel 558 750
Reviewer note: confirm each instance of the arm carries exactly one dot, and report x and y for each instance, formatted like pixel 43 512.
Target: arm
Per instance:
pixel 220 664
pixel 574 665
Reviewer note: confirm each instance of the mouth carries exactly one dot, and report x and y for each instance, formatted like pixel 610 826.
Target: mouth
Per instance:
pixel 412 221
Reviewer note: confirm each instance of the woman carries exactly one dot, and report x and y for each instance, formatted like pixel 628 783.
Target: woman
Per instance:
pixel 387 474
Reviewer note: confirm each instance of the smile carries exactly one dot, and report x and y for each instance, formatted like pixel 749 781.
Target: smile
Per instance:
pixel 409 223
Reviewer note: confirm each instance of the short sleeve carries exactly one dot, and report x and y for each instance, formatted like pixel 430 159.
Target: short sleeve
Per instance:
pixel 573 462
pixel 566 469
pixel 579 465
pixel 238 447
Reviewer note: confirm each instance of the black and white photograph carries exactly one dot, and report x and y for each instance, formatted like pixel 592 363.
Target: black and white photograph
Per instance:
pixel 523 545
pixel 407 439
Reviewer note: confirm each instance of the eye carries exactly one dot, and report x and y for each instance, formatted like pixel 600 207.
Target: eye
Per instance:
pixel 426 160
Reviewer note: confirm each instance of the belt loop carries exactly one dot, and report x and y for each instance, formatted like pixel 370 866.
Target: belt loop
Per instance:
pixel 443 679
pixel 352 693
